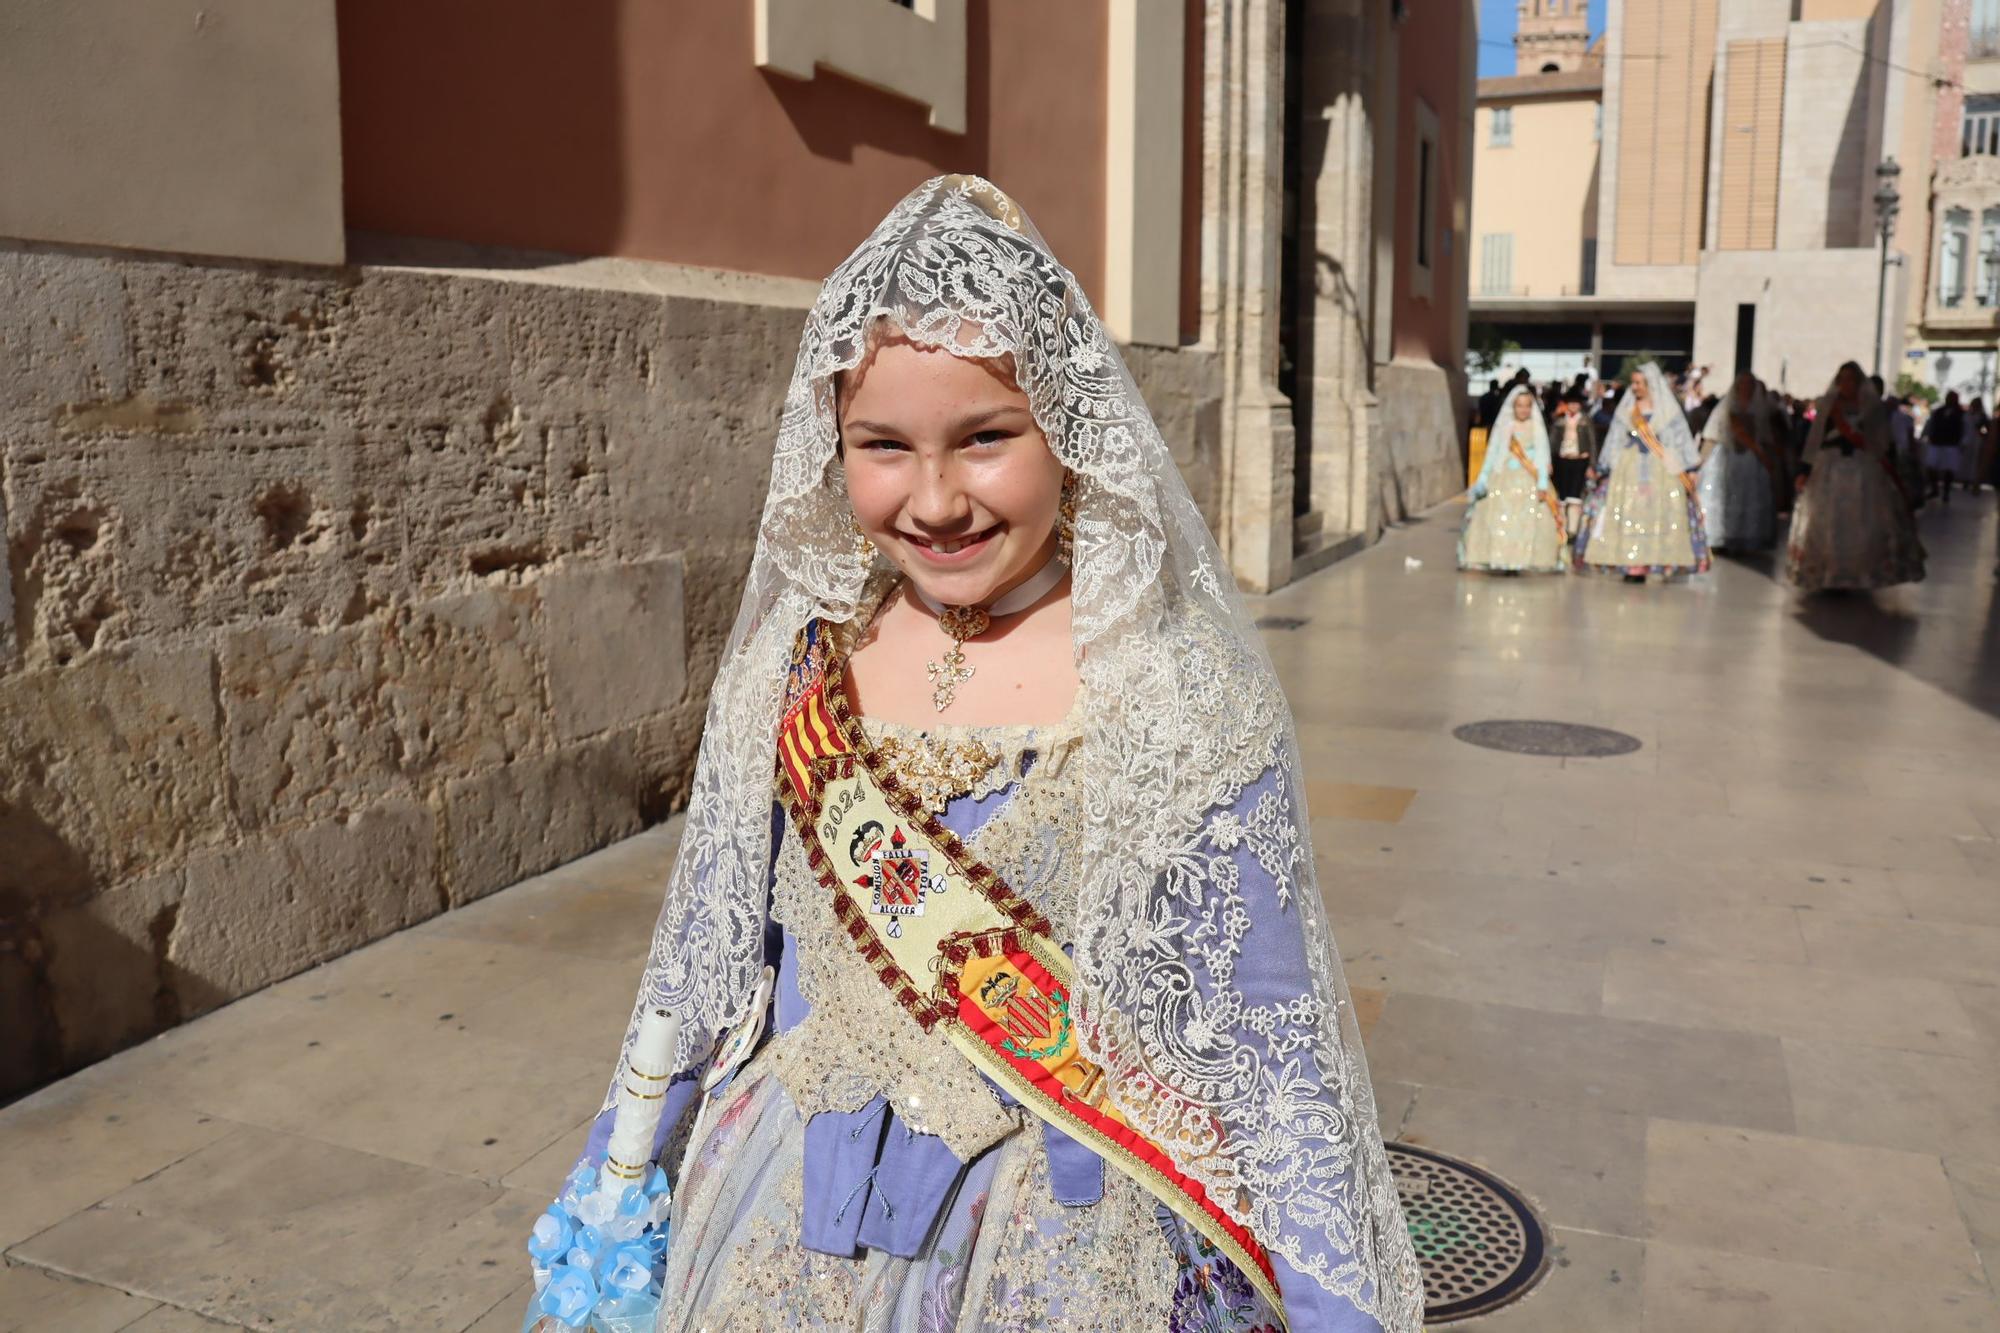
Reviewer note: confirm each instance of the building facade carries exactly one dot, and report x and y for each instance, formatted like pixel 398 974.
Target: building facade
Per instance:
pixel 1538 205
pixel 1954 309
pixel 391 391
pixel 1364 321
pixel 1735 179
pixel 1534 215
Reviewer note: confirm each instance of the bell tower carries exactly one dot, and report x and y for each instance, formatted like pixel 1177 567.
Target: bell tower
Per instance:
pixel 1551 35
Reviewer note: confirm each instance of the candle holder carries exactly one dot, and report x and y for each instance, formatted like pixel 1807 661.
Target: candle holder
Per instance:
pixel 599 1252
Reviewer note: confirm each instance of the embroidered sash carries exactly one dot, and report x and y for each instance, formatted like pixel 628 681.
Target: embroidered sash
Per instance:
pixel 957 949
pixel 1644 431
pixel 1555 505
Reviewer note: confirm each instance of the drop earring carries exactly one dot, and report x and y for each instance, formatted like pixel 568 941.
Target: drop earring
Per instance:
pixel 862 546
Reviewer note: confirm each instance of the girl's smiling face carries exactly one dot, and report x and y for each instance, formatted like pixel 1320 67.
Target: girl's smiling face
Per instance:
pixel 948 473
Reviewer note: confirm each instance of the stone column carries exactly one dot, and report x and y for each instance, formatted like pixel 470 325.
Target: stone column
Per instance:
pixel 1242 198
pixel 1348 260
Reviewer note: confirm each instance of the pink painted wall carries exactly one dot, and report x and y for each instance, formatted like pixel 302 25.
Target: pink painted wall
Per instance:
pixel 1429 66
pixel 644 128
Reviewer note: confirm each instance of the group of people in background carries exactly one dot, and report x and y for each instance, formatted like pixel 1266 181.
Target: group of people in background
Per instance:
pixel 1647 478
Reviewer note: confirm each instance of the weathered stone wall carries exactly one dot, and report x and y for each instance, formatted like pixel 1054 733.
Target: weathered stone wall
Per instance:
pixel 1183 390
pixel 336 598
pixel 1419 462
pixel 339 597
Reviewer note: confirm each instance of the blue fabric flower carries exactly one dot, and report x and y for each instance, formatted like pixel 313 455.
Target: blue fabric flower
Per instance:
pixel 570 1296
pixel 594 1210
pixel 629 1269
pixel 551 1237
pixel 657 1183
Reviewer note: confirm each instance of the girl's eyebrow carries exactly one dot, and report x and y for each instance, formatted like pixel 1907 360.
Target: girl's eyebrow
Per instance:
pixel 963 426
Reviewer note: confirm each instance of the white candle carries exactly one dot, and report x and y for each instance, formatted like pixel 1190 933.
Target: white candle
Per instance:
pixel 642 1095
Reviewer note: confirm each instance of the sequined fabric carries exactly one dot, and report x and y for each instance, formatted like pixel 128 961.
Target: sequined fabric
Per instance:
pixel 1737 502
pixel 1641 520
pixel 1511 527
pixel 1004 1256
pixel 1852 528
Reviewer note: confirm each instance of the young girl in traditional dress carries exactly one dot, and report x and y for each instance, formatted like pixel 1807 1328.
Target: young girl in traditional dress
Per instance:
pixel 1853 527
pixel 995 883
pixel 1741 472
pixel 1643 517
pixel 1515 523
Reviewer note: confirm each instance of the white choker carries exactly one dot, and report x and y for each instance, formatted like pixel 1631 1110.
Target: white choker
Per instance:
pixel 1031 590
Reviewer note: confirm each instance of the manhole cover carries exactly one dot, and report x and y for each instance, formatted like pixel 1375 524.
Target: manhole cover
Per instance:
pixel 1480 1244
pixel 1280 622
pixel 1571 740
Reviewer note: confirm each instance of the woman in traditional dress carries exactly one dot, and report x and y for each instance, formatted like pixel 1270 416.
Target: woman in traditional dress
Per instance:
pixel 1741 471
pixel 1057 1035
pixel 1643 517
pixel 1853 527
pixel 1515 522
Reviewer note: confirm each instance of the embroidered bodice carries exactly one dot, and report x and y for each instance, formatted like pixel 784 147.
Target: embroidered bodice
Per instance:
pixel 1011 793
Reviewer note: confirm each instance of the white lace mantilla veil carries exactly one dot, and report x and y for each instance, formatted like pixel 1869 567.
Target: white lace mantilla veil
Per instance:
pixel 1264 1099
pixel 1757 412
pixel 1872 421
pixel 1670 424
pixel 1497 452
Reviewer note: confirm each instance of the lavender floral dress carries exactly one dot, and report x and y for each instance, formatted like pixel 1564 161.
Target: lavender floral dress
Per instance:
pixel 827 1190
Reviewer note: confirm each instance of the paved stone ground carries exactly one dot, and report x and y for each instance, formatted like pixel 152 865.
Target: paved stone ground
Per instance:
pixel 1727 1008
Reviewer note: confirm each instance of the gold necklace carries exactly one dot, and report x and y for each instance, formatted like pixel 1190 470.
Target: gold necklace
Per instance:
pixel 961 623
pixel 969 622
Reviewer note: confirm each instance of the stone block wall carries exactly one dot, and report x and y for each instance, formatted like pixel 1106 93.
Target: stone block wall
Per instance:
pixel 334 598
pixel 1419 462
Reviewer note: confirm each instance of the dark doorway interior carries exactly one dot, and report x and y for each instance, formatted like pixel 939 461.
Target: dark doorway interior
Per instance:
pixel 1293 337
pixel 1746 335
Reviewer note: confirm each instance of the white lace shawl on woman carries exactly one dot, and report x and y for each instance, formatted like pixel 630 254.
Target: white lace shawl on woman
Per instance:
pixel 1756 416
pixel 1669 425
pixel 1263 1098
pixel 1868 417
pixel 1533 434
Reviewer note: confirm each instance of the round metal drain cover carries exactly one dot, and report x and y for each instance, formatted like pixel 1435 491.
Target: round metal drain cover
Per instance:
pixel 1571 740
pixel 1480 1244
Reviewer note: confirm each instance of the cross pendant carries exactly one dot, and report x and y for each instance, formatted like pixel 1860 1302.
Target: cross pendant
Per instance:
pixel 947 676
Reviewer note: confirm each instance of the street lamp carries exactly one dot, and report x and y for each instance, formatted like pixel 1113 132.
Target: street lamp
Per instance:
pixel 1887 201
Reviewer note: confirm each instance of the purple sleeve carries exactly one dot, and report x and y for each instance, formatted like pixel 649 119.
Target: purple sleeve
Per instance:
pixel 1268 971
pixel 1308 1305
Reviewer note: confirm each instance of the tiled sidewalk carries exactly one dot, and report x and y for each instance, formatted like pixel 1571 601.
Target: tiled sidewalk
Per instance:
pixel 1727 1008
pixel 361 1147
